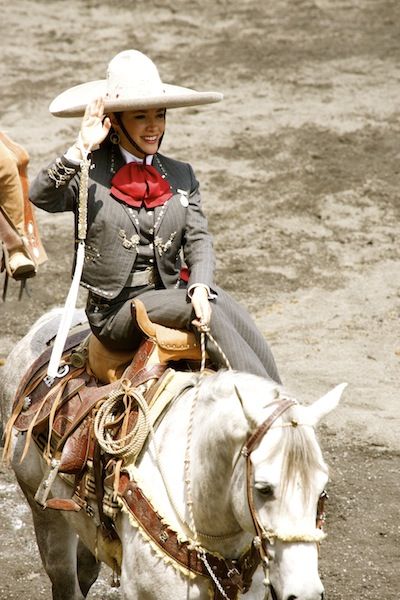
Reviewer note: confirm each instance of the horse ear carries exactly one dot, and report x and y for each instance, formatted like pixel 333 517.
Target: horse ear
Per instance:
pixel 325 404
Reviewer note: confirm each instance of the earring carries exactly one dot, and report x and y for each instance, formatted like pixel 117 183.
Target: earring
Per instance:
pixel 114 138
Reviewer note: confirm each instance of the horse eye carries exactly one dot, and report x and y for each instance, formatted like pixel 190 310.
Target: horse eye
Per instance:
pixel 266 489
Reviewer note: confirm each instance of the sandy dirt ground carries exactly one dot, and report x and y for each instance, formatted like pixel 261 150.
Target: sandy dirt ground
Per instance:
pixel 300 172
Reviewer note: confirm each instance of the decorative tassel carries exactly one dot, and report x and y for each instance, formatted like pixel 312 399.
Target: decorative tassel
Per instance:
pixel 70 302
pixel 68 313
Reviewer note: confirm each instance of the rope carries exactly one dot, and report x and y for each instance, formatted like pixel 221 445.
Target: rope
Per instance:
pixel 116 408
pixel 187 462
pixel 204 332
pixel 203 557
pixel 222 353
pixel 83 190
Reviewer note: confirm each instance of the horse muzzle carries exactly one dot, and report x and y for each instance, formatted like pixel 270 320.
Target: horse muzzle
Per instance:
pixel 317 596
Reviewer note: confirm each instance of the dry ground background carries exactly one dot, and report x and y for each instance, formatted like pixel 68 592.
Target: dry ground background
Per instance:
pixel 300 175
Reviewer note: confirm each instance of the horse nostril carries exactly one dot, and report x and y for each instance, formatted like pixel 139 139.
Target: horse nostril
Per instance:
pixel 295 597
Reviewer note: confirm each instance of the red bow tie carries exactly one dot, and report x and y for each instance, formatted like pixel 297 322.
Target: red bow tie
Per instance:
pixel 137 184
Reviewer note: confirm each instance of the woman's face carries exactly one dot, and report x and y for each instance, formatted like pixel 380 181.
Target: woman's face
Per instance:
pixel 145 128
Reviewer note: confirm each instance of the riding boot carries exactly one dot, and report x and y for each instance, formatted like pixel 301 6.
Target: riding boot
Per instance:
pixel 20 265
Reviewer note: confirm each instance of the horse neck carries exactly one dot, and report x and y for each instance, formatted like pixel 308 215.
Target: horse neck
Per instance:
pixel 162 474
pixel 219 427
pixel 219 430
pixel 232 406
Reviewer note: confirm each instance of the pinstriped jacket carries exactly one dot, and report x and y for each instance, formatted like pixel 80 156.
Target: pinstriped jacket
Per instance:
pixel 108 260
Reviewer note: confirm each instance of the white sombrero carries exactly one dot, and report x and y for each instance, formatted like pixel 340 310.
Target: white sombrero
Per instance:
pixel 133 82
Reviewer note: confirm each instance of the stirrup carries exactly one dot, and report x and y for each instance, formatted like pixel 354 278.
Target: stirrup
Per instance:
pixel 4 266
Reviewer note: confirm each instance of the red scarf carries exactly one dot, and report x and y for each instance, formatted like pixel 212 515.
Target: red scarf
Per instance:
pixel 137 184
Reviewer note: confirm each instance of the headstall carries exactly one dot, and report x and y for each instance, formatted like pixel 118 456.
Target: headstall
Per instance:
pixel 263 536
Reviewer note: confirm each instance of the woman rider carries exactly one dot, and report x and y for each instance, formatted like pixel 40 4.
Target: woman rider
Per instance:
pixel 143 213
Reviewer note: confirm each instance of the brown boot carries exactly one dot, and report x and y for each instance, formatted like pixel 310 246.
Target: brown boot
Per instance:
pixel 20 265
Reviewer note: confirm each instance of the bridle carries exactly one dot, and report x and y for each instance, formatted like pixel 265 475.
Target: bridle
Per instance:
pixel 264 537
pixel 267 537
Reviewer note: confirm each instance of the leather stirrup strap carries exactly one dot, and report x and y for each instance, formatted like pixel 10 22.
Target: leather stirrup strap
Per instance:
pixel 106 522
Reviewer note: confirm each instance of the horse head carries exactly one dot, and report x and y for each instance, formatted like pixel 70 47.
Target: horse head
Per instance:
pixel 266 475
pixel 280 477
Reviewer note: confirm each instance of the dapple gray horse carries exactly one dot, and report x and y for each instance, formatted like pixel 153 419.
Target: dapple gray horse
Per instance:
pixel 193 469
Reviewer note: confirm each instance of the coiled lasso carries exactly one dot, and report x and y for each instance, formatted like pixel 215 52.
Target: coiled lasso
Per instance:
pixel 116 410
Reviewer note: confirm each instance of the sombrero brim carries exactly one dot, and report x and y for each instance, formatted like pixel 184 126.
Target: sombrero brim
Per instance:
pixel 73 102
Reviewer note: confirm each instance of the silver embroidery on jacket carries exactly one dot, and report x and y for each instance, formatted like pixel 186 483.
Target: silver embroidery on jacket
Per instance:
pixel 128 243
pixel 161 248
pixel 60 173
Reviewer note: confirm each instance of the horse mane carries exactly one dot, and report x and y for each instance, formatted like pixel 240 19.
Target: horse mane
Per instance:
pixel 300 455
pixel 252 392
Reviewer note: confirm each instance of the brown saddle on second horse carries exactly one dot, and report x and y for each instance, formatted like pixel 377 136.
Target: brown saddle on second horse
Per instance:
pixel 10 238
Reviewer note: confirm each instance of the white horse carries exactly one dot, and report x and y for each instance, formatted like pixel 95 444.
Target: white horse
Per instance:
pixel 194 472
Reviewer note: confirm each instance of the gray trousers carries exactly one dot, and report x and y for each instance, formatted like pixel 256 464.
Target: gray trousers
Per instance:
pixel 231 326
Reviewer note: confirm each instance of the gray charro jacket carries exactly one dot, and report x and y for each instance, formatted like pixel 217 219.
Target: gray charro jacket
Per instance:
pixel 108 257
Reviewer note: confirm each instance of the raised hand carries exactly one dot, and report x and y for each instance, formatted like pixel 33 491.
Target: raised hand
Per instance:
pixel 94 128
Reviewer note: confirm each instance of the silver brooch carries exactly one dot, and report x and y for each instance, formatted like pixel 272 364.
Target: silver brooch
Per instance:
pixel 184 197
pixel 128 243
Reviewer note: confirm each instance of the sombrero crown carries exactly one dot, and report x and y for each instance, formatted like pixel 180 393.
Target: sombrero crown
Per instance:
pixel 132 83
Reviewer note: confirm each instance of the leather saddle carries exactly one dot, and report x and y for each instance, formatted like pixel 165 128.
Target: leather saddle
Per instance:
pixel 61 410
pixel 9 237
pixel 169 345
